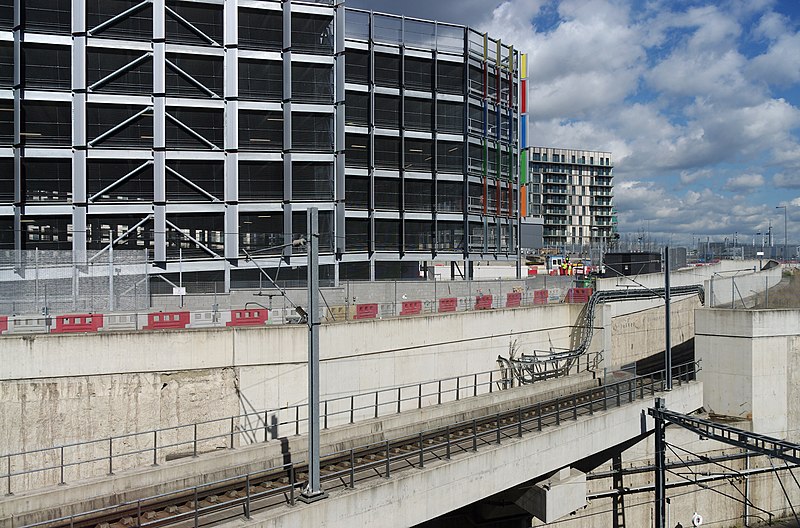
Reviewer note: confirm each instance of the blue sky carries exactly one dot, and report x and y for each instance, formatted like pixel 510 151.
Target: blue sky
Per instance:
pixel 699 101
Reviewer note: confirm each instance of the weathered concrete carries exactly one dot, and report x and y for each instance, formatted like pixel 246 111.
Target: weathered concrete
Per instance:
pixel 108 490
pixel 750 359
pixel 416 495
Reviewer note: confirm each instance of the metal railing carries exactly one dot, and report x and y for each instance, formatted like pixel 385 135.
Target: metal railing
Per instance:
pixel 190 440
pixel 440 443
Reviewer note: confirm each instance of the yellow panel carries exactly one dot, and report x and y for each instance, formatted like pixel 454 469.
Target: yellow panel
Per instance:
pixel 523 63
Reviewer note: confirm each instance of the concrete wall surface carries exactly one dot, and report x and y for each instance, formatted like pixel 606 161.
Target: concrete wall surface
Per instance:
pixel 416 495
pixel 144 481
pixel 749 362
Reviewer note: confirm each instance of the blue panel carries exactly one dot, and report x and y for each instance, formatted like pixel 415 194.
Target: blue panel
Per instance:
pixel 524 131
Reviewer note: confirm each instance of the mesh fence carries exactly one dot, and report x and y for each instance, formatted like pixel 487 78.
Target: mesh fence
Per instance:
pixel 50 282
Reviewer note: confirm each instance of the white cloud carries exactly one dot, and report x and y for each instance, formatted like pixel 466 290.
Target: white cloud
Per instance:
pixel 786 181
pixel 744 182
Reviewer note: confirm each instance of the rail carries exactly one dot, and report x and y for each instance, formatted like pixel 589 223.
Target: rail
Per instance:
pixel 227 432
pixel 280 484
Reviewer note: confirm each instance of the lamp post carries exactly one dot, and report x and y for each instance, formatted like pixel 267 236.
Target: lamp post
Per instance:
pixel 785 233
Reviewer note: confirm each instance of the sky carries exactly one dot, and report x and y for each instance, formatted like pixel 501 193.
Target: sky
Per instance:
pixel 698 101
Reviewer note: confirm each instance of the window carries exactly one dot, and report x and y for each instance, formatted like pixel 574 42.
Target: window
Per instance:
pixel 312 181
pixel 102 174
pixel 7 184
pixel 387 194
pixel 260 130
pixel 312 131
pixel 47 16
pixel 7 16
pixel 418 235
pixel 387 70
pixel 260 80
pixel 260 181
pixel 387 111
pixel 208 175
pixel 259 231
pixel 6 122
pixel 356 108
pixel 450 117
pixel 101 230
pixel 51 232
pixel 205 128
pixel 419 74
pixel 356 66
pixel 356 193
pixel 475 122
pixel 136 79
pixel 418 155
pixel 419 114
pixel 138 25
pixel 325 225
pixel 450 77
pixel 357 25
pixel 450 236
pixel 194 76
pixel 419 195
pixel 46 123
pixel 387 152
pixel 450 197
pixel 46 67
pixel 6 64
pixel 475 79
pixel 312 33
pixel 204 23
pixel 356 234
pixel 260 29
pixel 312 83
pixel 356 150
pixel 450 157
pixel 206 229
pixel 387 235
pixel 47 180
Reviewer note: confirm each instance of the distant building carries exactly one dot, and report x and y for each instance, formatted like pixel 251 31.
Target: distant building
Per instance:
pixel 572 191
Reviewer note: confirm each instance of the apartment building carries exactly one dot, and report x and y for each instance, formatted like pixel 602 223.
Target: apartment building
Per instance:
pixel 572 190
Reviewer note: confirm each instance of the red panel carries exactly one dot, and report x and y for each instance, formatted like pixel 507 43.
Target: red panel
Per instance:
pixel 483 302
pixel 499 195
pixel 257 317
pixel 165 320
pixel 579 295
pixel 513 299
pixel 540 296
pixel 532 271
pixel 411 308
pixel 3 323
pixel 367 311
pixel 485 81
pixel 71 323
pixel 524 98
pixel 448 304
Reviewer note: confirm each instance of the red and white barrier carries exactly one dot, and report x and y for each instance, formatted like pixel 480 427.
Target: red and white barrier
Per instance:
pixel 77 323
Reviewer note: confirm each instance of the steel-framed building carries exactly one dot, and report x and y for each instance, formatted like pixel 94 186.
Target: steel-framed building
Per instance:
pixel 207 128
pixel 572 190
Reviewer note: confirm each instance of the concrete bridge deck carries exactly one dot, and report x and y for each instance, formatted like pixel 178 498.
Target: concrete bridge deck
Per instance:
pixel 612 415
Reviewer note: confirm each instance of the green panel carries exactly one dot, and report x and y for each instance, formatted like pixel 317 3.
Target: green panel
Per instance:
pixel 523 167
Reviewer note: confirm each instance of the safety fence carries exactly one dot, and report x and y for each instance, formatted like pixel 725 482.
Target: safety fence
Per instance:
pixel 261 316
pixel 381 459
pixel 47 282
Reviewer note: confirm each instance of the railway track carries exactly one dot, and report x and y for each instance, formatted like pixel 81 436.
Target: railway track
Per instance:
pixel 243 495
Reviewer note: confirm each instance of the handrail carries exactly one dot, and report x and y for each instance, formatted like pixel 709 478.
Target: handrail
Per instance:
pixel 352 407
pixel 633 389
